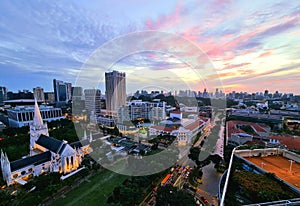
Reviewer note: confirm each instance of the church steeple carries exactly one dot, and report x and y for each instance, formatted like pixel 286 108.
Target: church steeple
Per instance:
pixel 37 128
pixel 37 119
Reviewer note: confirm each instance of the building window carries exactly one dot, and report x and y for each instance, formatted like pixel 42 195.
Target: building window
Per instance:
pixel 23 172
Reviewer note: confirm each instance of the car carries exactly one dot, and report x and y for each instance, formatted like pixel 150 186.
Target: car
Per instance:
pixel 204 199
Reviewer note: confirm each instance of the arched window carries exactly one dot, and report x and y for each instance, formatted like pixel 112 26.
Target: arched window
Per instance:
pixel 72 161
pixel 23 172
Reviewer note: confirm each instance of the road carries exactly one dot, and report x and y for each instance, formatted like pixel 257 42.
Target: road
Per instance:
pixel 209 187
pixel 210 182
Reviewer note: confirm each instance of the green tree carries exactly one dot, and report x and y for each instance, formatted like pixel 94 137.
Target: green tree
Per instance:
pixel 169 195
pixel 194 153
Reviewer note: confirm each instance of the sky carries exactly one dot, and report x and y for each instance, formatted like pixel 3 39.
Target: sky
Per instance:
pixel 234 45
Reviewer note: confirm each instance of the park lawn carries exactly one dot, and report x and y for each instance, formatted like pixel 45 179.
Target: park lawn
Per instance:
pixel 95 191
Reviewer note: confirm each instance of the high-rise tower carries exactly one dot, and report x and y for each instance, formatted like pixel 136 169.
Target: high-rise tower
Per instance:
pixel 62 91
pixel 38 93
pixel 115 84
pixel 93 100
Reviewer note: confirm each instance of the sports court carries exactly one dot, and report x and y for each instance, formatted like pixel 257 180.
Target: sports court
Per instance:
pixel 280 166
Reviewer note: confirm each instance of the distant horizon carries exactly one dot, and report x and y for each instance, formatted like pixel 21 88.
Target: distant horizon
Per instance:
pixel 132 92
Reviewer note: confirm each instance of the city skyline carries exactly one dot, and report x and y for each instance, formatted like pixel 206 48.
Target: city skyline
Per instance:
pixel 252 45
pixel 128 93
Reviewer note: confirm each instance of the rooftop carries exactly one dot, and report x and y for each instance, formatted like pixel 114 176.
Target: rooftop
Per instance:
pixel 232 127
pixel 162 128
pixel 33 160
pixel 292 142
pixel 50 143
pixel 257 115
pixel 21 101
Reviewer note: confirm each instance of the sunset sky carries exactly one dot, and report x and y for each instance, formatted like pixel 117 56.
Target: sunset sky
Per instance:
pixel 251 45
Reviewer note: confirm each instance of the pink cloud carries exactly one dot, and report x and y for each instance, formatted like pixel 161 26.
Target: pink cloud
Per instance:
pixel 152 56
pixel 265 54
pixel 274 27
pixel 233 66
pixel 165 21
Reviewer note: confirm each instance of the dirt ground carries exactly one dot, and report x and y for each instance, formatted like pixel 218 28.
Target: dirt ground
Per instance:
pixel 280 166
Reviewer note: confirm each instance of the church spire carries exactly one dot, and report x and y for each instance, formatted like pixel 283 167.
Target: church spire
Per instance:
pixel 37 119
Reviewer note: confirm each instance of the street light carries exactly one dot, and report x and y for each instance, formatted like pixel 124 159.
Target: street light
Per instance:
pixel 291 165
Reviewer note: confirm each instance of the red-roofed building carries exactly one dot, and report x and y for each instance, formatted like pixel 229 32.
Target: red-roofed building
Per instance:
pixel 291 142
pixel 206 120
pixel 237 135
pixel 184 133
pixel 157 130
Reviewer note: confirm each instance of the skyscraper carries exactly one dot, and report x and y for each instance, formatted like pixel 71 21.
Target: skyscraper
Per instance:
pixel 77 93
pixel 115 84
pixel 93 100
pixel 62 91
pixel 38 93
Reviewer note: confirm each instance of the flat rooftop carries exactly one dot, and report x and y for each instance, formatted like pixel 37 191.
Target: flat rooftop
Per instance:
pixel 280 166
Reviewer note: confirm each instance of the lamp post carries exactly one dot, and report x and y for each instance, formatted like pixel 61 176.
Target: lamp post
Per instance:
pixel 262 164
pixel 291 161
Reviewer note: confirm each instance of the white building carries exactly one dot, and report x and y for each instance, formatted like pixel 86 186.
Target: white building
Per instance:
pixel 176 114
pixel 139 109
pixel 23 116
pixel 47 154
pixel 185 131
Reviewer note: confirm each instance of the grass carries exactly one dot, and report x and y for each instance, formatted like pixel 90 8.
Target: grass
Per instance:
pixel 93 192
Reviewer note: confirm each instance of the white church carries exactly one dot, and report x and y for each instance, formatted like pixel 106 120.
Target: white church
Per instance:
pixel 47 154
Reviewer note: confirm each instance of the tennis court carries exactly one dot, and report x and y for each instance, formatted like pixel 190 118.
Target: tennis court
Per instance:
pixel 280 166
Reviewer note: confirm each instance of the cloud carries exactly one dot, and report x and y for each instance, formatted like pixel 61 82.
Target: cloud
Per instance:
pixel 232 66
pixel 241 38
pixel 166 21
pixel 265 54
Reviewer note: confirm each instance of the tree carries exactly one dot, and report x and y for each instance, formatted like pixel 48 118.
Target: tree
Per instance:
pixel 4 198
pixel 194 153
pixel 115 131
pixel 248 129
pixel 169 195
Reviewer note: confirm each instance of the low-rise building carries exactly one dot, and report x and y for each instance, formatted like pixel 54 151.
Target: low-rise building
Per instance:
pixel 184 129
pixel 127 129
pixel 240 132
pixel 288 141
pixel 23 116
pixel 106 121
